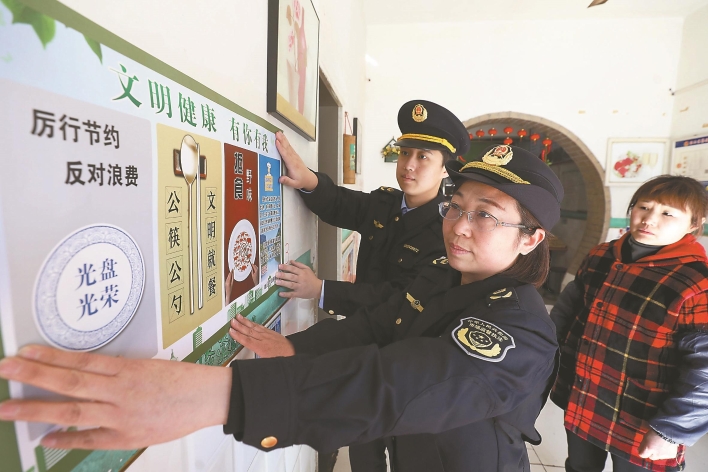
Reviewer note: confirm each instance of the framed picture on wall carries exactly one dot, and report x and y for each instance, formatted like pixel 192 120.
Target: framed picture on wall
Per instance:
pixel 293 64
pixel 689 157
pixel 632 161
pixel 358 131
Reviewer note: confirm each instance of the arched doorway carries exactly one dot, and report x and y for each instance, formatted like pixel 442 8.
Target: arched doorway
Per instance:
pixel 597 196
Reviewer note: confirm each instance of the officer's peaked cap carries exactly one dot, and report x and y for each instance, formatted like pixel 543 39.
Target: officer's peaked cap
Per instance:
pixel 427 125
pixel 519 174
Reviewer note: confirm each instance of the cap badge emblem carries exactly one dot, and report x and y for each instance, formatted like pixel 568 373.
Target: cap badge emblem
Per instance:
pixel 420 114
pixel 498 156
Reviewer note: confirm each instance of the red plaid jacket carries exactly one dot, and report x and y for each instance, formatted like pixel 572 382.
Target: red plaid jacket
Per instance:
pixel 620 357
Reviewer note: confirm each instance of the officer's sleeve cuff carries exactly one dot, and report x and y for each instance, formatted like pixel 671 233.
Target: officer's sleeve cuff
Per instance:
pixel 267 405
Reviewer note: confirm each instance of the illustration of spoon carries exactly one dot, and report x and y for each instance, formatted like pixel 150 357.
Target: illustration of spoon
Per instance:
pixel 200 290
pixel 189 162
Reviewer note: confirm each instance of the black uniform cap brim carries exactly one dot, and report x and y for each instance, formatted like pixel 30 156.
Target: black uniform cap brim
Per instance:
pixel 419 144
pixel 545 205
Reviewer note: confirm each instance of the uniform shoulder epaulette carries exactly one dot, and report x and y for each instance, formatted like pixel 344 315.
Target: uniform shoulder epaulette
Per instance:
pixel 388 190
pixel 503 294
pixel 440 261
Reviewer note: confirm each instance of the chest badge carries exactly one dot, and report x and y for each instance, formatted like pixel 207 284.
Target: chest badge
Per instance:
pixel 415 304
pixel 483 340
pixel 377 224
pixel 441 261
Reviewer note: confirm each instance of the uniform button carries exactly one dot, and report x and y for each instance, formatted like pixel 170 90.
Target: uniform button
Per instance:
pixel 371 237
pixel 396 219
pixel 331 312
pixel 599 304
pixel 269 442
pixel 400 260
pixel 619 266
pixel 398 321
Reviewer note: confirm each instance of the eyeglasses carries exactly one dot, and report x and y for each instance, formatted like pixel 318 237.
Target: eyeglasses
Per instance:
pixel 480 220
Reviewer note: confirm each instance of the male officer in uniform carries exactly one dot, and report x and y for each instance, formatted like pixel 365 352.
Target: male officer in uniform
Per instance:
pixel 400 230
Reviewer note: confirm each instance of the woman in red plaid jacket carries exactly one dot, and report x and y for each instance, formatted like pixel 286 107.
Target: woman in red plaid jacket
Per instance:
pixel 633 330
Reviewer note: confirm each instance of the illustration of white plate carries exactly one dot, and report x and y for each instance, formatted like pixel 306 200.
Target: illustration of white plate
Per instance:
pixel 89 288
pixel 242 249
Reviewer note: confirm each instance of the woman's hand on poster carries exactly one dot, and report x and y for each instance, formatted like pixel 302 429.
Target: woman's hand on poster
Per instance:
pixel 654 447
pixel 128 403
pixel 300 279
pixel 299 176
pixel 259 339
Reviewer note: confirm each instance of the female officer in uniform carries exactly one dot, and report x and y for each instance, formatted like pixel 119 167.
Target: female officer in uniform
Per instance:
pixel 453 372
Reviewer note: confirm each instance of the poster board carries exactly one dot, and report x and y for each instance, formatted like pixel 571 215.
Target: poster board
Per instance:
pixel 127 211
pixel 689 158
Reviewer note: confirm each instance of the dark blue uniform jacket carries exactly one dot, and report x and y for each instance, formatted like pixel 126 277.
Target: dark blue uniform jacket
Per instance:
pixel 453 376
pixel 394 247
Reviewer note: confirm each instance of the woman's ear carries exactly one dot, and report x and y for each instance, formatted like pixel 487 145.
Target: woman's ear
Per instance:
pixel 694 228
pixel 530 242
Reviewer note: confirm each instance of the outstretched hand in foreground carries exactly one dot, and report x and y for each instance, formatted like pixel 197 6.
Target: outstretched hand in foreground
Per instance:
pixel 128 403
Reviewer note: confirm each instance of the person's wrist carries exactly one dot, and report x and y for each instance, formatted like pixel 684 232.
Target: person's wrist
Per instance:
pixel 218 385
pixel 310 181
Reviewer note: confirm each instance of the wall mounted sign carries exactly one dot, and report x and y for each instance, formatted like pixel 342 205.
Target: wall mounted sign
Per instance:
pixel 138 209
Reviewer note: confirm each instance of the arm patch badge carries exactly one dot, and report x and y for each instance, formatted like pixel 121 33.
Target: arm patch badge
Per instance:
pixel 483 340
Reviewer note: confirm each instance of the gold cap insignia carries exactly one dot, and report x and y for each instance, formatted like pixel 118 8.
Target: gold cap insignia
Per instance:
pixel 499 155
pixel 483 340
pixel 420 114
pixel 441 260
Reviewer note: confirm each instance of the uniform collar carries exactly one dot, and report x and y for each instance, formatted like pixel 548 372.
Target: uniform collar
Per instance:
pixel 415 220
pixel 462 296
pixel 404 208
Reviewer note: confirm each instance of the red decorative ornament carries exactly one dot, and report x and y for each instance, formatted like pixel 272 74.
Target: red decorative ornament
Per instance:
pixel 492 132
pixel 547 144
pixel 508 130
pixel 480 133
pixel 471 136
pixel 508 140
pixel 522 133
pixel 535 137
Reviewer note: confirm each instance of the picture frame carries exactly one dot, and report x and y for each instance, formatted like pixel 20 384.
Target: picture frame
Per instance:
pixel 689 157
pixel 631 161
pixel 358 131
pixel 293 64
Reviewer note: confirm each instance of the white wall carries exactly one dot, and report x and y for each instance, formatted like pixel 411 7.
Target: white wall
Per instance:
pixel 597 78
pixel 691 104
pixel 223 45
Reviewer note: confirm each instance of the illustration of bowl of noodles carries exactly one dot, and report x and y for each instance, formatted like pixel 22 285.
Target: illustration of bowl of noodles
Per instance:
pixel 242 249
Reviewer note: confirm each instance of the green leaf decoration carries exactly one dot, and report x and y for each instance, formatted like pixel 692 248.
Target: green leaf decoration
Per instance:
pixel 95 47
pixel 44 26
